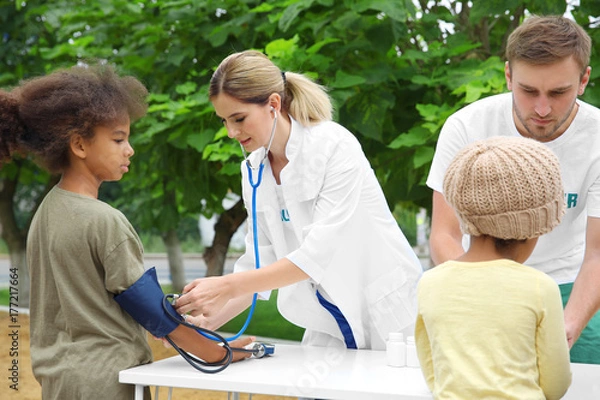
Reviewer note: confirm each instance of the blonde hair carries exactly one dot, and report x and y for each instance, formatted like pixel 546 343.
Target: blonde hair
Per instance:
pixel 250 77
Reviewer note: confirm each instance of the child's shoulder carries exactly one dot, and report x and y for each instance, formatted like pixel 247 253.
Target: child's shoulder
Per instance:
pixel 452 267
pixel 440 271
pixel 84 208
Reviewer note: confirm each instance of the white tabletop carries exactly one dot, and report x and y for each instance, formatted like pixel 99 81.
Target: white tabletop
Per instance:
pixel 294 370
pixel 320 372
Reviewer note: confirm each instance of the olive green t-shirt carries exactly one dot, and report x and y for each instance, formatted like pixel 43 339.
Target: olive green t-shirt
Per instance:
pixel 81 252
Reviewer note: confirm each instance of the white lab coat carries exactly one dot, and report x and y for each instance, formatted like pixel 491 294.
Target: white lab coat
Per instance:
pixel 350 244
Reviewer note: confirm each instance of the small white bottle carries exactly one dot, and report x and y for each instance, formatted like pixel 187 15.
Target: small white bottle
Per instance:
pixel 396 350
pixel 412 360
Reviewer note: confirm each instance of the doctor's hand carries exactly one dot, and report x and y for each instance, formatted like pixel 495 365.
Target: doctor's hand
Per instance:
pixel 200 321
pixel 204 296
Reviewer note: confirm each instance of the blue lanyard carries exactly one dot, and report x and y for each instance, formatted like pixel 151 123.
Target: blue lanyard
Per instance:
pixel 255 237
pixel 256 254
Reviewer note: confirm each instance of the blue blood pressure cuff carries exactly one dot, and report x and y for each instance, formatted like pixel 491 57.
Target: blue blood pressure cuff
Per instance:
pixel 144 302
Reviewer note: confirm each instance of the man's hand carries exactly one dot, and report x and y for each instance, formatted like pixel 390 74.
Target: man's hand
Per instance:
pixel 572 333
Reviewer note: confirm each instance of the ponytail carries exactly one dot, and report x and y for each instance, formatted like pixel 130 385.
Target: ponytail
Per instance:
pixel 306 101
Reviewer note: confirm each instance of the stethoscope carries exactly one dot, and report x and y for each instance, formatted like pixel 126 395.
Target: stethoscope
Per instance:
pixel 258 350
pixel 255 186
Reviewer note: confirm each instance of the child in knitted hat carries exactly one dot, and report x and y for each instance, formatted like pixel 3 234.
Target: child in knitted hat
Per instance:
pixel 487 325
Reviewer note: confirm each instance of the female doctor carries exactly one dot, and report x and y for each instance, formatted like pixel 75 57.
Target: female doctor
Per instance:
pixel 327 238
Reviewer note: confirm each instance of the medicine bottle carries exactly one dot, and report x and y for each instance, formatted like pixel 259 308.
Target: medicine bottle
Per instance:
pixel 396 350
pixel 412 360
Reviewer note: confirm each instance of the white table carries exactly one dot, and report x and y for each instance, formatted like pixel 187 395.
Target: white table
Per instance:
pixel 293 370
pixel 318 372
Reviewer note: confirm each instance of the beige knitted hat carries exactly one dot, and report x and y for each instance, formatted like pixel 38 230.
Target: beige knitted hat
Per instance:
pixel 506 187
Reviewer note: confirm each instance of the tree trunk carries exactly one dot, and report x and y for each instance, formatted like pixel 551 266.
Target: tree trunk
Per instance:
pixel 227 224
pixel 175 256
pixel 15 237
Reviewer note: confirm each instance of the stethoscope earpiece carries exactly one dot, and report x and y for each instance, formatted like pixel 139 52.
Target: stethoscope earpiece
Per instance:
pixel 266 153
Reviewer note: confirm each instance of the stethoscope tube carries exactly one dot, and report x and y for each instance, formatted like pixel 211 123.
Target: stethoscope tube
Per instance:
pixel 255 186
pixel 197 363
pixel 220 365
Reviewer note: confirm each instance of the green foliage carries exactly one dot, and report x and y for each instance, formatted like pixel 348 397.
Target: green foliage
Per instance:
pixel 406 215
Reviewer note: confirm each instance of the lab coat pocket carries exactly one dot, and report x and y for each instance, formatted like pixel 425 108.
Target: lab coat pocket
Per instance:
pixel 391 302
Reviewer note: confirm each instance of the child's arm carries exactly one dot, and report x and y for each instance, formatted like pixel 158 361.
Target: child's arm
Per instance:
pixel 552 348
pixel 145 302
pixel 424 351
pixel 206 349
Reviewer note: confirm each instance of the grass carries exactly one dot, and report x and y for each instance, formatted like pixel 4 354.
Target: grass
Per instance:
pixel 266 320
pixel 4 296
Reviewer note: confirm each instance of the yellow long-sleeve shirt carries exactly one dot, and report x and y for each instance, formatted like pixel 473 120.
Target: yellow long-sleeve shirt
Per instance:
pixel 491 330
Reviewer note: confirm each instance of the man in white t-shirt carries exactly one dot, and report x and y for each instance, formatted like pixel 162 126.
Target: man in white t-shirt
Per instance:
pixel 547 68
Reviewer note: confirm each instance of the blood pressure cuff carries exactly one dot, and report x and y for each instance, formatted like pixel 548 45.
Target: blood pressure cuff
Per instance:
pixel 144 302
